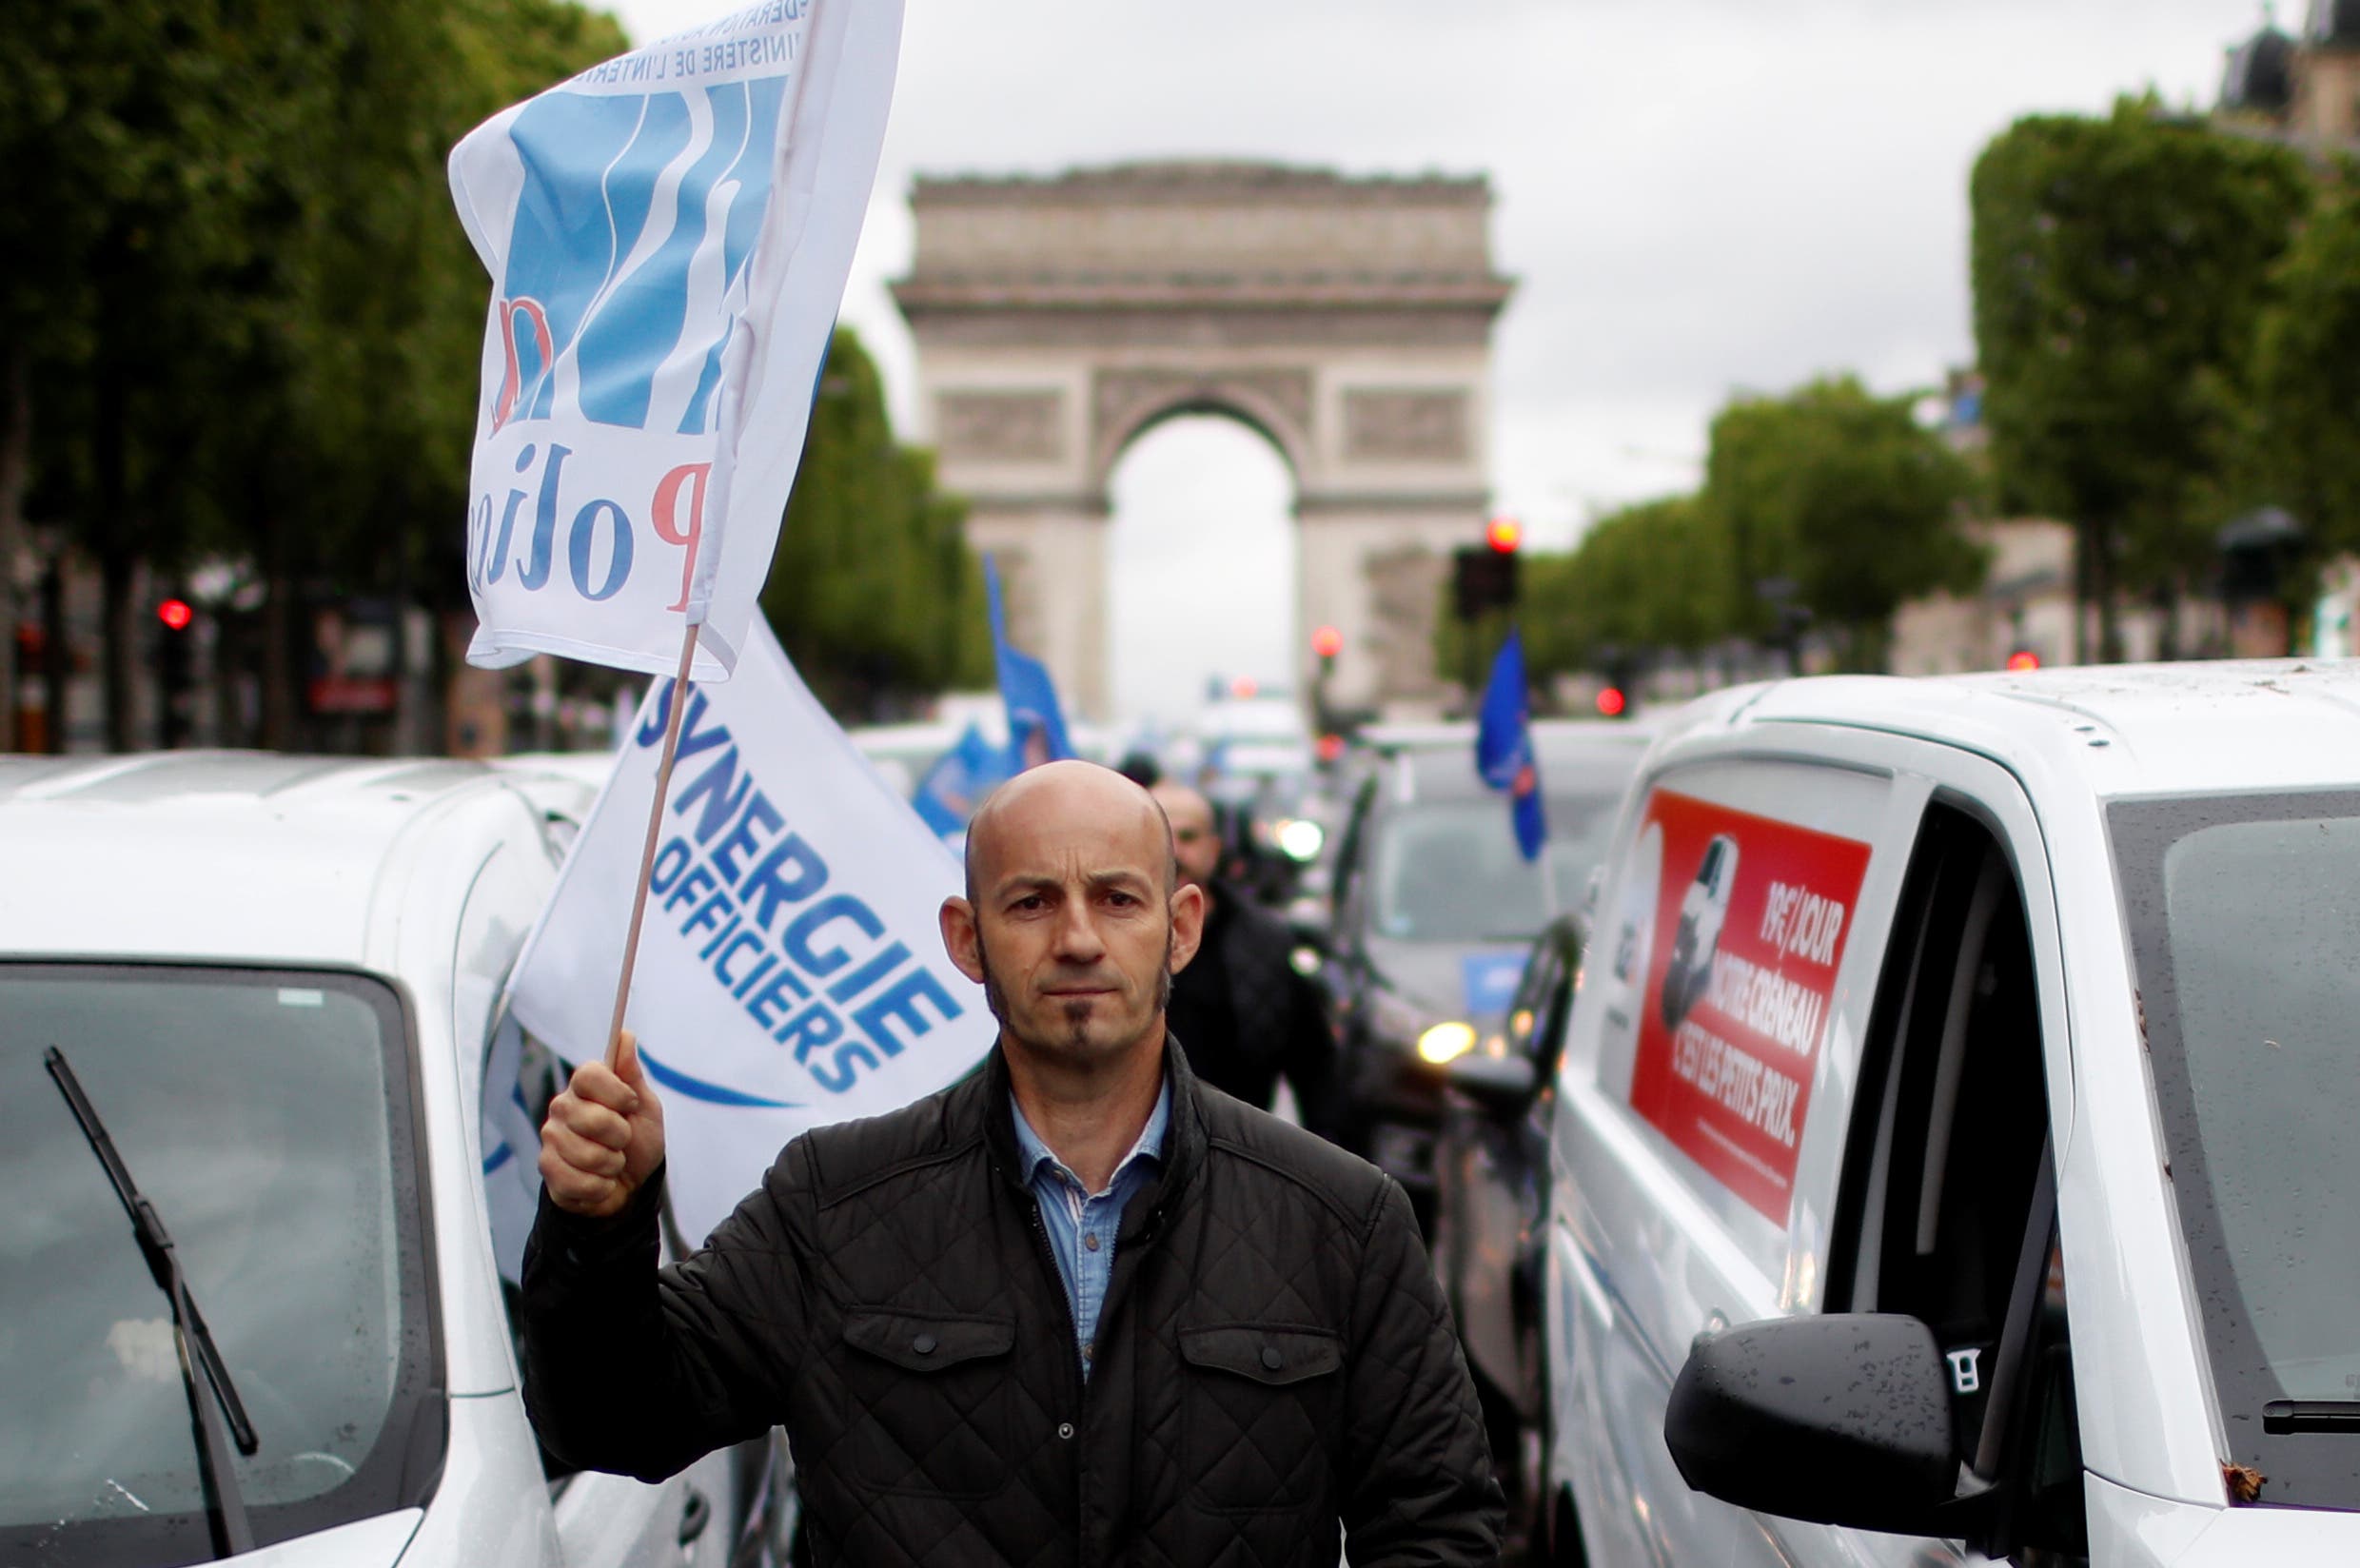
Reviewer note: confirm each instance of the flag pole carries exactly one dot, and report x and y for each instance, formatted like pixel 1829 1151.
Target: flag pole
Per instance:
pixel 647 852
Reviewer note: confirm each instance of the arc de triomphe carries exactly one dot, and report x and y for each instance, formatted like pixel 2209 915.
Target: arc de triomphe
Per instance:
pixel 1346 319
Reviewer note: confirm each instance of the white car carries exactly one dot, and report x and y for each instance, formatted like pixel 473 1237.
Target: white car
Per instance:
pixel 266 984
pixel 1993 1197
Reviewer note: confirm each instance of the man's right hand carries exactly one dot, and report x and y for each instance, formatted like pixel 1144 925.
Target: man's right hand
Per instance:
pixel 604 1137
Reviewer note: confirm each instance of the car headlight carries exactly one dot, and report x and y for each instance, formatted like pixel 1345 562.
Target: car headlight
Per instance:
pixel 1446 1042
pixel 1301 838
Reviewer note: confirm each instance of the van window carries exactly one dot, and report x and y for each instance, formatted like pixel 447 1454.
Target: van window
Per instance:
pixel 1733 932
pixel 1948 1210
pixel 2244 913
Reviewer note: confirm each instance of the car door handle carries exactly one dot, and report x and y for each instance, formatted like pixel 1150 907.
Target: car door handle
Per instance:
pixel 695 1515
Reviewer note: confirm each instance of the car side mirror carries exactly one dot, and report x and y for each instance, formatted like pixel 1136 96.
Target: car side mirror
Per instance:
pixel 1500 1084
pixel 1842 1419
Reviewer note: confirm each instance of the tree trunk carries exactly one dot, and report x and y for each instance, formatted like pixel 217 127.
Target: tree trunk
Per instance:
pixel 56 663
pixel 2102 590
pixel 2083 533
pixel 278 632
pixel 115 557
pixel 118 630
pixel 15 463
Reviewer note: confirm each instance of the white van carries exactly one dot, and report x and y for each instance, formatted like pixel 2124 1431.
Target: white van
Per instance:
pixel 270 982
pixel 1991 1194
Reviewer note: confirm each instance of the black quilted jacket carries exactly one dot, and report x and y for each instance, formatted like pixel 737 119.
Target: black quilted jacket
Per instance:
pixel 1273 1361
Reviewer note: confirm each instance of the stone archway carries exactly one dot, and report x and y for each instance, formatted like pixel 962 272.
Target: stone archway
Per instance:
pixel 1346 319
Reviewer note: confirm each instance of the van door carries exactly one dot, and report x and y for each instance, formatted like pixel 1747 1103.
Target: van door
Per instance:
pixel 597 1520
pixel 1947 1210
pixel 1701 1103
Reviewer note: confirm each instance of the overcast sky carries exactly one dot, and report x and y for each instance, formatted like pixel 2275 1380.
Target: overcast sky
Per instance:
pixel 1693 196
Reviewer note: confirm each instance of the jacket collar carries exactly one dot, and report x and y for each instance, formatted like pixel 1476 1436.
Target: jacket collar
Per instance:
pixel 985 1097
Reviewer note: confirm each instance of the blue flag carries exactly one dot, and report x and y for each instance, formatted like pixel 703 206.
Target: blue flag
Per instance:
pixel 958 780
pixel 1035 725
pixel 1504 746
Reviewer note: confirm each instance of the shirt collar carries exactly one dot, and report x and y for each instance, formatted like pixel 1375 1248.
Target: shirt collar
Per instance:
pixel 1150 1147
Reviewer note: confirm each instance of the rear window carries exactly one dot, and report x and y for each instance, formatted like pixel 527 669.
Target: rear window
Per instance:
pixel 1449 871
pixel 2245 921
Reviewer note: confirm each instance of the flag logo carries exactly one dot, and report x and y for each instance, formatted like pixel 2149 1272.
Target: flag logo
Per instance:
pixel 617 296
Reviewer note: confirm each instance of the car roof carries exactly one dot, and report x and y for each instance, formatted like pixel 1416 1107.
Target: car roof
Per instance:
pixel 1412 735
pixel 235 856
pixel 1573 758
pixel 2119 730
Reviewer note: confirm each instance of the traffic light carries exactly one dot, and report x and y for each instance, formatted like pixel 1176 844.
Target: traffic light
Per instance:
pixel 2023 660
pixel 175 670
pixel 1327 642
pixel 1611 702
pixel 1483 577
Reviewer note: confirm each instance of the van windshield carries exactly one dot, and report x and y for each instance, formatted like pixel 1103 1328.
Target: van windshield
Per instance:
pixel 266 1116
pixel 2245 922
pixel 1449 871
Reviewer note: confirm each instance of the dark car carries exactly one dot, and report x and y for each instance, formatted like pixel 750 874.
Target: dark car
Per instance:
pixel 1434 911
pixel 1492 1162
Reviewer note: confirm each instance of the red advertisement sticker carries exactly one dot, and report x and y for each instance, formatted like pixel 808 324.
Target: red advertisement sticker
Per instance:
pixel 1751 917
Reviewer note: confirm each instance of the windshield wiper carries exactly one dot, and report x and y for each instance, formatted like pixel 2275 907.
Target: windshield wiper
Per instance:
pixel 2284 1415
pixel 231 1534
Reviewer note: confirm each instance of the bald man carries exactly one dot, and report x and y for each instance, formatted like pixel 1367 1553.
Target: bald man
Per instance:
pixel 1073 1310
pixel 1239 1010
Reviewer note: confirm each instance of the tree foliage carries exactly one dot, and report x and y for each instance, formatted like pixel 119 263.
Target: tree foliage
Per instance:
pixel 1840 499
pixel 2299 443
pixel 2118 265
pixel 1833 496
pixel 1646 580
pixel 248 324
pixel 874 591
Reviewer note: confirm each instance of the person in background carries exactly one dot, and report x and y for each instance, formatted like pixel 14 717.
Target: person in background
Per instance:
pixel 1240 1009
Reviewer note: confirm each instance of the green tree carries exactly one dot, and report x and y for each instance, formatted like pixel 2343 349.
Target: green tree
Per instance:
pixel 373 366
pixel 2299 444
pixel 2117 265
pixel 240 311
pixel 1843 498
pixel 1646 583
pixel 873 590
pixel 137 162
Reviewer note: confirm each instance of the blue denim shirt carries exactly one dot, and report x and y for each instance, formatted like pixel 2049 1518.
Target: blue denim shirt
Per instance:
pixel 1081 1224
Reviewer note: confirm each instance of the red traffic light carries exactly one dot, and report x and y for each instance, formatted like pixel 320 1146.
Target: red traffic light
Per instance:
pixel 2023 658
pixel 1329 747
pixel 1610 701
pixel 175 613
pixel 1503 534
pixel 1327 642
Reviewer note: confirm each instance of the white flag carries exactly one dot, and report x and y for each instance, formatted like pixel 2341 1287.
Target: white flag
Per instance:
pixel 790 971
pixel 668 236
